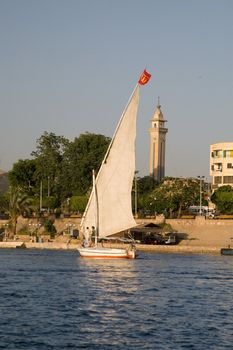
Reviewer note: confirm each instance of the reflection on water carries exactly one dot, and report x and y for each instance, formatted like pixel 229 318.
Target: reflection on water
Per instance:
pixel 109 270
pixel 56 300
pixel 111 284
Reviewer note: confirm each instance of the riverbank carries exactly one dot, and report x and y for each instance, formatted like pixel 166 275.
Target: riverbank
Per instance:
pixel 179 248
pixel 198 235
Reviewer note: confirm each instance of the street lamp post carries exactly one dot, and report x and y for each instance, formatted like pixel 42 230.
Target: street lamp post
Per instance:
pixel 200 208
pixel 48 186
pixel 48 192
pixel 41 195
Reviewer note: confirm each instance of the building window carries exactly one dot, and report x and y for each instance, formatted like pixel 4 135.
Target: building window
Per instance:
pixel 218 166
pixel 228 153
pixel 218 153
pixel 212 167
pixel 218 179
pixel 229 165
pixel 228 179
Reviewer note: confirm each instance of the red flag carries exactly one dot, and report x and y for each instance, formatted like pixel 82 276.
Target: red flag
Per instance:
pixel 144 78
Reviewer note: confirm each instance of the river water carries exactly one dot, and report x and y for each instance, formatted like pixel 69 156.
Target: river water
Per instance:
pixel 56 300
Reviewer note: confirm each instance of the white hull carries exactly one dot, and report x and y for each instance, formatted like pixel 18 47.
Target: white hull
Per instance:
pixel 107 253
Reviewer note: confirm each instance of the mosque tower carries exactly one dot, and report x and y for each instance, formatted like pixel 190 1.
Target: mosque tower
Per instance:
pixel 157 133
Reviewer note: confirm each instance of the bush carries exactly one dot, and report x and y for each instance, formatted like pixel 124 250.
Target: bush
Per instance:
pixel 23 231
pixel 50 228
pixel 78 203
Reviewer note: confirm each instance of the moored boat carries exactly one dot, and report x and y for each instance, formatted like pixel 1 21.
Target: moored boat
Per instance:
pixel 107 253
pixel 226 251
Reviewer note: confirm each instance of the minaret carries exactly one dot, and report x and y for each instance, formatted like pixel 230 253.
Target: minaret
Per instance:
pixel 157 144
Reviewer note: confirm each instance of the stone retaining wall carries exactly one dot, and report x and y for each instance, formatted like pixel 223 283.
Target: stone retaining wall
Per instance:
pixel 200 232
pixel 178 249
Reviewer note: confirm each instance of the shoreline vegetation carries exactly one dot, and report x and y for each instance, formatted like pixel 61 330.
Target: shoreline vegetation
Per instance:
pixel 200 236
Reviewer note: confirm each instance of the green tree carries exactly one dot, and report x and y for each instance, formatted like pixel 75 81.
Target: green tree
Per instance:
pixel 174 195
pixel 60 168
pixel 23 175
pixel 51 203
pixel 4 203
pixel 49 158
pixel 82 155
pixel 223 199
pixel 50 228
pixel 18 203
pixel 145 185
pixel 78 203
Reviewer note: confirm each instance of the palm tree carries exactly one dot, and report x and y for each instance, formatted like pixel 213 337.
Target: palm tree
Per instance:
pixel 19 202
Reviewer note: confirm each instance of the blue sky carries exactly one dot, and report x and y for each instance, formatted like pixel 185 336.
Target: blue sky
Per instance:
pixel 69 66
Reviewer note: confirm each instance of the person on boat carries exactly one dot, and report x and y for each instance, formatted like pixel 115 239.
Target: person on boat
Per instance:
pixel 86 237
pixel 92 232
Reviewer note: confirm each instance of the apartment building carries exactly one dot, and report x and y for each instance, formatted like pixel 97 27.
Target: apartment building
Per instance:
pixel 221 164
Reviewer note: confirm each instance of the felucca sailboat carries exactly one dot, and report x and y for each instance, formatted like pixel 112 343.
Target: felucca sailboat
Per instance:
pixel 109 209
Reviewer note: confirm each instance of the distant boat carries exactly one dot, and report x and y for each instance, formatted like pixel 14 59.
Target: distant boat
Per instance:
pixel 109 209
pixel 227 251
pixel 21 246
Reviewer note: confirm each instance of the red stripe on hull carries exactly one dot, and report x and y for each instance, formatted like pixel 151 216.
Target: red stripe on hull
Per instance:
pixel 106 257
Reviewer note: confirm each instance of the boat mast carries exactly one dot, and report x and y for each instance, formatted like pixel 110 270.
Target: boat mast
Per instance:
pixel 96 228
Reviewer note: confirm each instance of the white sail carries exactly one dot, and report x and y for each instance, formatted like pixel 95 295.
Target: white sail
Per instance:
pixel 113 183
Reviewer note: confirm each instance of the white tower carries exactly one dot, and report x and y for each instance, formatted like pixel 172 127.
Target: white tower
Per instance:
pixel 157 144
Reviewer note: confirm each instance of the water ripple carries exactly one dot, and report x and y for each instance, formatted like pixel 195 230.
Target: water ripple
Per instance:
pixel 55 300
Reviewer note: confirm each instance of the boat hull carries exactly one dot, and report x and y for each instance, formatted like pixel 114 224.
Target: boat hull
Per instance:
pixel 227 251
pixel 107 253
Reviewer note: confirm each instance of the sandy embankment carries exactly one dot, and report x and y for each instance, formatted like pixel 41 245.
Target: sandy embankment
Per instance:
pixel 200 236
pixel 185 249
